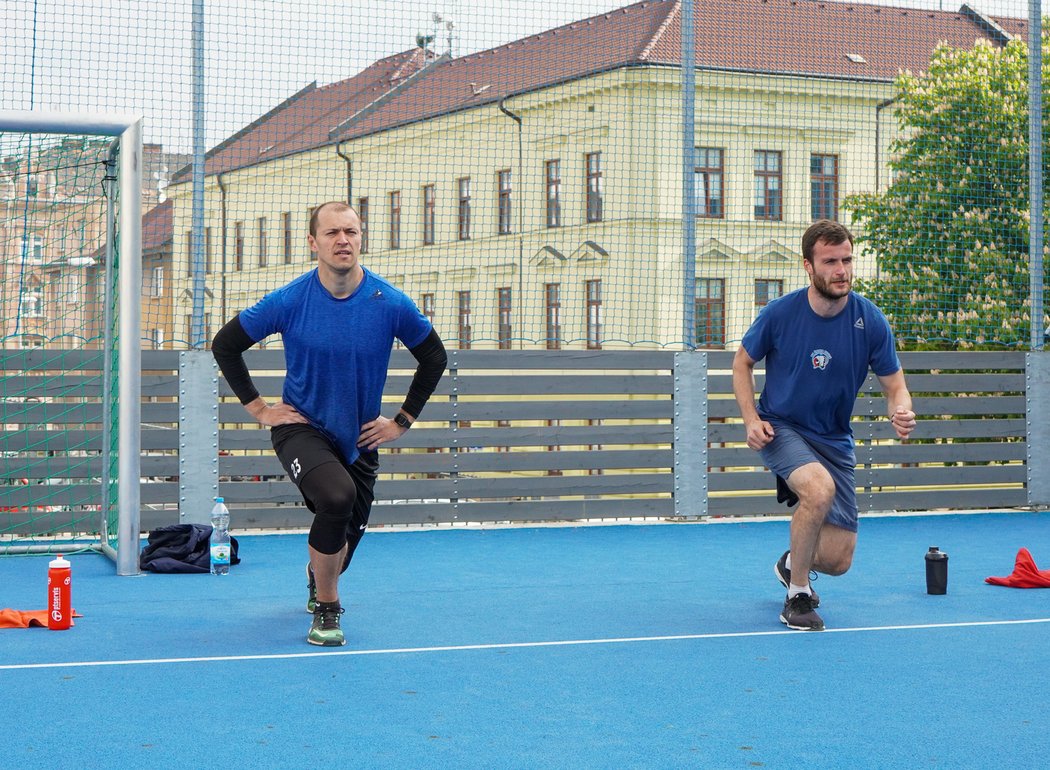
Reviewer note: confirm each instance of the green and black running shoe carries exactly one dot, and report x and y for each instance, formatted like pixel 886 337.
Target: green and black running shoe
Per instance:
pixel 325 631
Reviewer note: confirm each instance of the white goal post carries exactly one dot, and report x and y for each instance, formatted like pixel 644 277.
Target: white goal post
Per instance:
pixel 126 129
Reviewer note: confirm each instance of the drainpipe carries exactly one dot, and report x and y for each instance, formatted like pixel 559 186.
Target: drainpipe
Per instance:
pixel 349 174
pixel 878 139
pixel 878 153
pixel 521 223
pixel 222 210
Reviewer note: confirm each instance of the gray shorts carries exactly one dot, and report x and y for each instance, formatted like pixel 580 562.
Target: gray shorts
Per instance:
pixel 789 450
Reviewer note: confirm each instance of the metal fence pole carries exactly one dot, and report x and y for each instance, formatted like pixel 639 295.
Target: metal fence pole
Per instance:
pixel 688 177
pixel 1035 170
pixel 690 435
pixel 197 264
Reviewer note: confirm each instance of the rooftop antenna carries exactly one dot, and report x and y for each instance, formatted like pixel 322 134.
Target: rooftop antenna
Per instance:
pixel 439 21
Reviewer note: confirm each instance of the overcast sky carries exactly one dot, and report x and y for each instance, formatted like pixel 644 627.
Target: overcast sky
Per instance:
pixel 135 55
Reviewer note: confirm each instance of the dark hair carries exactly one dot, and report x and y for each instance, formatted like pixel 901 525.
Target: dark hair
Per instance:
pixel 824 231
pixel 341 205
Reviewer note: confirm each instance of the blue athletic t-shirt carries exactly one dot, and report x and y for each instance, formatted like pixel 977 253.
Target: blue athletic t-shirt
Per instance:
pixel 337 351
pixel 815 366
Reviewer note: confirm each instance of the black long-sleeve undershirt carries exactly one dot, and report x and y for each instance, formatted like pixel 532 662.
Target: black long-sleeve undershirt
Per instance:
pixel 231 341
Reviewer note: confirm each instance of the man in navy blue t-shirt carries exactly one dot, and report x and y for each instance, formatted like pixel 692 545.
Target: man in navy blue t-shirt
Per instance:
pixel 338 324
pixel 818 344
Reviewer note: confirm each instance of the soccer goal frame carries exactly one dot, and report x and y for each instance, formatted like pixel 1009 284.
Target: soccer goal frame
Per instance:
pixel 126 131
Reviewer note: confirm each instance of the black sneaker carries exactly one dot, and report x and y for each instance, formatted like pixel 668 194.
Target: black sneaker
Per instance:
pixel 784 576
pixel 311 586
pixel 798 614
pixel 325 631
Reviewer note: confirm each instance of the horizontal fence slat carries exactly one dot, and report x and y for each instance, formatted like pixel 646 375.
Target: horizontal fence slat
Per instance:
pixel 436 438
pixel 952 475
pixel 942 499
pixel 565 360
pixel 475 462
pixel 298 517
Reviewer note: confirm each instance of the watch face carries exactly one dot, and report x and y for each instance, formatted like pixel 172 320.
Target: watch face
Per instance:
pixel 401 420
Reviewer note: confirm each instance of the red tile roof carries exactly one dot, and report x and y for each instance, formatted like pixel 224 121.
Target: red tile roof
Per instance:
pixel 810 37
pixel 157 230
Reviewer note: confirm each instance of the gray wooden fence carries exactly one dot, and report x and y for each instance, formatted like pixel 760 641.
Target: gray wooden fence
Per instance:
pixel 516 436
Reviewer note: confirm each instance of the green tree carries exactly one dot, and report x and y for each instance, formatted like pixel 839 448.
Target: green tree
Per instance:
pixel 950 234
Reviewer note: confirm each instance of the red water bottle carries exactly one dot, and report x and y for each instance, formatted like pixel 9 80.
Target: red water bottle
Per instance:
pixel 59 603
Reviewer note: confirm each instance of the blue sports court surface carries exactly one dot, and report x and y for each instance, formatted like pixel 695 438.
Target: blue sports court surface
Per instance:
pixel 648 646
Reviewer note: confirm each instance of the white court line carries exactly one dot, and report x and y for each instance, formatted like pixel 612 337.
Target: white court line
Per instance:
pixel 513 645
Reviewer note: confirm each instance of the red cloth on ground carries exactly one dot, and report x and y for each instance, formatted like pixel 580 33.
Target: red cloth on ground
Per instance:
pixel 27 618
pixel 1025 574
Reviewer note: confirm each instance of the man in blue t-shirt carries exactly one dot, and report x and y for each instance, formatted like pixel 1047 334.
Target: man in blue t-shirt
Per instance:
pixel 338 324
pixel 818 344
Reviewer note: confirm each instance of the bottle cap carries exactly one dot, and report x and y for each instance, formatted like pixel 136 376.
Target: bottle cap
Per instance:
pixel 219 499
pixel 58 563
pixel 934 549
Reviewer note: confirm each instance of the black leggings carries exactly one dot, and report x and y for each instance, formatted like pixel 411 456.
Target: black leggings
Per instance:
pixel 341 506
pixel 339 495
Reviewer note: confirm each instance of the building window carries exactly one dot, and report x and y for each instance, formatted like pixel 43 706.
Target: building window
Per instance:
pixel 156 288
pixel 594 315
pixel 428 307
pixel 395 219
pixel 824 186
pixel 32 304
pixel 428 214
pixel 286 237
pixel 709 171
pixel 552 302
pixel 207 250
pixel 463 186
pixel 33 248
pixel 504 296
pixel 71 287
pixel 553 177
pixel 593 164
pixel 768 181
pixel 463 303
pixel 710 321
pixel 505 215
pixel 189 253
pixel 767 290
pixel 238 245
pixel 362 213
pixel 261 226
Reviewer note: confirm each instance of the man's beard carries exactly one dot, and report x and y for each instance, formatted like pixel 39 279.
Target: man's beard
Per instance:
pixel 822 289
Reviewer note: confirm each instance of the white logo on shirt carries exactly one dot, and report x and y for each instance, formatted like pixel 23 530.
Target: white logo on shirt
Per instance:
pixel 859 324
pixel 820 358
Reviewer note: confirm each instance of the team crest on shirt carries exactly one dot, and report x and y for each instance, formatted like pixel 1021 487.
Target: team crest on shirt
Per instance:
pixel 820 358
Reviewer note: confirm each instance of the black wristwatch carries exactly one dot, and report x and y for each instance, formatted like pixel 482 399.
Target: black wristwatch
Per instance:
pixel 403 421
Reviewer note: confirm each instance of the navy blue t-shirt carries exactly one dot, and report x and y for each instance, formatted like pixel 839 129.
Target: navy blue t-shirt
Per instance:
pixel 337 351
pixel 815 366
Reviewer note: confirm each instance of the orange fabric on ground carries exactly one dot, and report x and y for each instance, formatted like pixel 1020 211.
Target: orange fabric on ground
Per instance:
pixel 1025 574
pixel 26 618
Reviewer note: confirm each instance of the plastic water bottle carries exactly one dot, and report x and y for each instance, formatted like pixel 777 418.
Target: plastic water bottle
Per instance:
pixel 220 538
pixel 59 603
